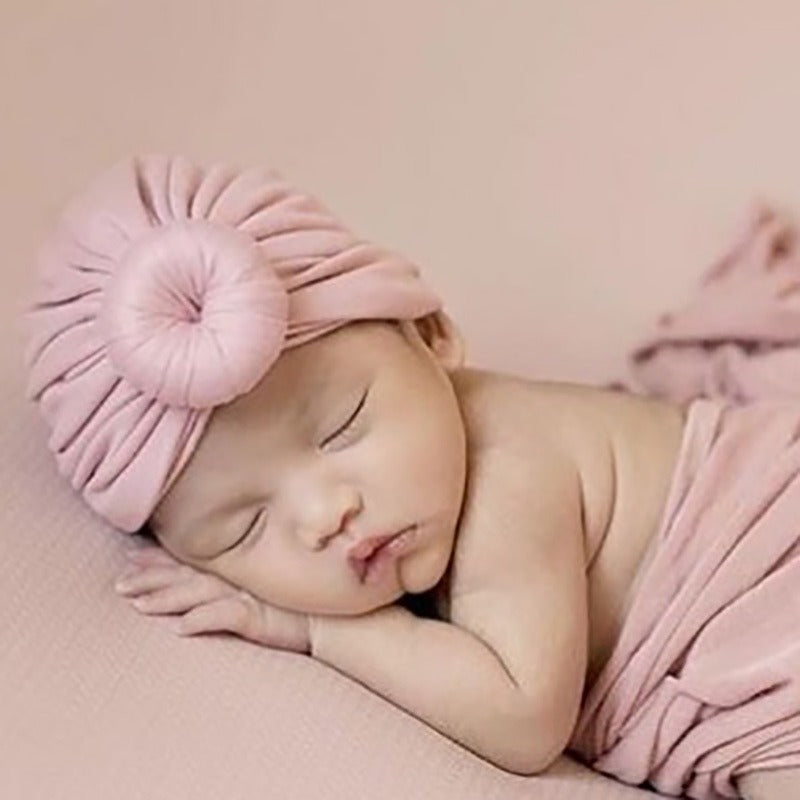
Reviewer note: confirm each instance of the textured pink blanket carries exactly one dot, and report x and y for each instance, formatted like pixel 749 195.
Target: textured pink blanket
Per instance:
pixel 704 682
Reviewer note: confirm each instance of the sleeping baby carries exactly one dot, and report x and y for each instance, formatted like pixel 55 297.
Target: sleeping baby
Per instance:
pixel 529 568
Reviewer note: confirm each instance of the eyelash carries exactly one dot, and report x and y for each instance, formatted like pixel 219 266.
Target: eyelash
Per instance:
pixel 349 422
pixel 246 535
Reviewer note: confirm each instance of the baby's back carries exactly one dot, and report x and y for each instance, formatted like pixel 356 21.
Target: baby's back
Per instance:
pixel 624 448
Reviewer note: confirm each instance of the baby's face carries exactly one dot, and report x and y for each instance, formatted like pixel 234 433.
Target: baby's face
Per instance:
pixel 352 435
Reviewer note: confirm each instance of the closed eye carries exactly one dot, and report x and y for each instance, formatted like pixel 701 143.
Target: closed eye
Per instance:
pixel 250 528
pixel 350 420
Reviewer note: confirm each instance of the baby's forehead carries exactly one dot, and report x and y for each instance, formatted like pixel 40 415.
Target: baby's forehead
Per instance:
pixel 324 367
pixel 308 381
pixel 291 396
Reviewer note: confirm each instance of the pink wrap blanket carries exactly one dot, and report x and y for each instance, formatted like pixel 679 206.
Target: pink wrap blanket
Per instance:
pixel 703 684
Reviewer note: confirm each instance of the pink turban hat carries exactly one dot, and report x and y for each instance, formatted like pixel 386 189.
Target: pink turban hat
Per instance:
pixel 168 289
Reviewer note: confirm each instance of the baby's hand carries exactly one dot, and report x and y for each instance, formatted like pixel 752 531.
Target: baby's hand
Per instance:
pixel 159 584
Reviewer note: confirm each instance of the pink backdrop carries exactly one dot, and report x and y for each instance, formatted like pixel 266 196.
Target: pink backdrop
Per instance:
pixel 560 170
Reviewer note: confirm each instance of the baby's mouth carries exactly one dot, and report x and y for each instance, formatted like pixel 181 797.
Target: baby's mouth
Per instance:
pixel 374 551
pixel 362 552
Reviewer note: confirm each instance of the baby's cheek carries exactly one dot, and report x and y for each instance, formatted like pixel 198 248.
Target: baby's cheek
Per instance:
pixel 266 571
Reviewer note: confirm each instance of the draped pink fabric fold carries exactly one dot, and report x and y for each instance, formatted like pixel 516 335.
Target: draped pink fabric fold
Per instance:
pixel 703 684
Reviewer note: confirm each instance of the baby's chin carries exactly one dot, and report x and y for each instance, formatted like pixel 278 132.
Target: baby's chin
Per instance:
pixel 423 570
pixel 354 607
pixel 366 601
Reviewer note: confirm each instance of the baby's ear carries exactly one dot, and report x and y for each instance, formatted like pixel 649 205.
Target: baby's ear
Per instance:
pixel 443 339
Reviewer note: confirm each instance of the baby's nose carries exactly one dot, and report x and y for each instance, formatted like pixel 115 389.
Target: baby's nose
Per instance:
pixel 324 519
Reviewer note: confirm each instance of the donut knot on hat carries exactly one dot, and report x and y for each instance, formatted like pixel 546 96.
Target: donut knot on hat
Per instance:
pixel 168 289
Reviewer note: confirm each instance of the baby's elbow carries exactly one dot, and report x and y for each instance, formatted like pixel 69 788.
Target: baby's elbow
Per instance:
pixel 529 751
pixel 527 738
pixel 545 735
pixel 529 762
pixel 545 760
pixel 526 764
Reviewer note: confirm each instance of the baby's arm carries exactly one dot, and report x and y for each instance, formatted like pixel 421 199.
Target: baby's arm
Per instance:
pixel 442 674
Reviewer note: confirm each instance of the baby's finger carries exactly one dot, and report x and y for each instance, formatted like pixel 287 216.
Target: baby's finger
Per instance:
pixel 148 579
pixel 180 597
pixel 227 614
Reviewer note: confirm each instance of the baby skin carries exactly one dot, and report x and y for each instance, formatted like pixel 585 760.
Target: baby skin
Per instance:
pixel 370 466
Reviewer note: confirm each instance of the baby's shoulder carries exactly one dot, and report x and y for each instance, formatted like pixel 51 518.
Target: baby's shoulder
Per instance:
pixel 502 410
pixel 605 437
